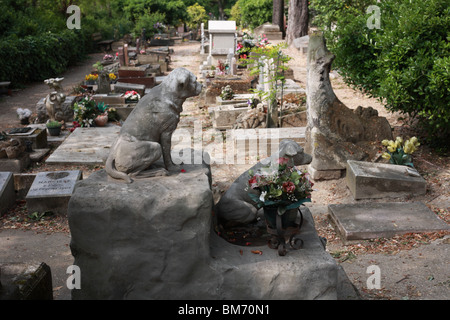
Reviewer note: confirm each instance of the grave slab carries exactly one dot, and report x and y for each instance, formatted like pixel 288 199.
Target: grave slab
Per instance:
pixel 224 116
pixel 51 191
pixel 37 136
pixel 368 180
pixel 16 165
pixel 358 221
pixel 85 146
pixel 7 192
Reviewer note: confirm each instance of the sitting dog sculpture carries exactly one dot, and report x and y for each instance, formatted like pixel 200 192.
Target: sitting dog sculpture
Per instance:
pixel 146 134
pixel 236 207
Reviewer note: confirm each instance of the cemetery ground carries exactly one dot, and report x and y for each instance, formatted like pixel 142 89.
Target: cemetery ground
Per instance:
pixel 413 266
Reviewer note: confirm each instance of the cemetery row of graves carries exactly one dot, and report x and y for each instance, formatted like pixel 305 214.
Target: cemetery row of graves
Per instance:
pixel 251 100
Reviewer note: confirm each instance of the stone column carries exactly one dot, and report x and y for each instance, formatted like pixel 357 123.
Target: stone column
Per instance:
pixel 202 49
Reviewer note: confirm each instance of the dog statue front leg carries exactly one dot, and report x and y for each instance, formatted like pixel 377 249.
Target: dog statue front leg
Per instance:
pixel 166 144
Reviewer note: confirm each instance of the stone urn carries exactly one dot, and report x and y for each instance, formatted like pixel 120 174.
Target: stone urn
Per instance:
pixel 101 120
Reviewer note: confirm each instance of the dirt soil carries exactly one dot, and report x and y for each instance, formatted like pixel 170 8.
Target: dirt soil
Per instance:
pixel 413 266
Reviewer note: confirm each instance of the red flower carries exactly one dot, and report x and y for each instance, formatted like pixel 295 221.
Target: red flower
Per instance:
pixel 289 187
pixel 282 160
pixel 253 182
pixel 182 170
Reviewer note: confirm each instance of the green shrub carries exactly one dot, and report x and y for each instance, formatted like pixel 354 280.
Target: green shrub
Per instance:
pixel 405 63
pixel 253 13
pixel 35 58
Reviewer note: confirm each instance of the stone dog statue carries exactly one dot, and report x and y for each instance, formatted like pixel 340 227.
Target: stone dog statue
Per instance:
pixel 146 134
pixel 235 206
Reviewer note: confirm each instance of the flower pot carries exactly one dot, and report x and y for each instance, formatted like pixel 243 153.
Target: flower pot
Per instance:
pixel 25 121
pixel 101 120
pixel 54 131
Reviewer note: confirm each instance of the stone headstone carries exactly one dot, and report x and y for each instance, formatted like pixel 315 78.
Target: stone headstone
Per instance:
pixel 51 191
pixel 222 36
pixel 368 180
pixel 358 221
pixel 271 31
pixel 7 192
pixel 122 87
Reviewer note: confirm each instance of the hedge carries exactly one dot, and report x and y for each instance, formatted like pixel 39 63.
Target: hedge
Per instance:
pixel 35 58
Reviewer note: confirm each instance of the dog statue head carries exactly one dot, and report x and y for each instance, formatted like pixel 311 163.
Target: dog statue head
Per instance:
pixel 182 82
pixel 290 149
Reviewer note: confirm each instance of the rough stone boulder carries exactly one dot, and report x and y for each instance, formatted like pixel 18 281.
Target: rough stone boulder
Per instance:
pixel 154 239
pixel 336 133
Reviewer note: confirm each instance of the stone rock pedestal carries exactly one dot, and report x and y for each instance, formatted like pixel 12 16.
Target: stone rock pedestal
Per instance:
pixel 154 239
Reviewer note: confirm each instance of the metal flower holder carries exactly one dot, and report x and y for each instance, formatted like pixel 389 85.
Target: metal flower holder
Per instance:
pixel 282 227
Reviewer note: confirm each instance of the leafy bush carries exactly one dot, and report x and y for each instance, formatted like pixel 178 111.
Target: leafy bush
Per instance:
pixel 405 63
pixel 35 58
pixel 253 13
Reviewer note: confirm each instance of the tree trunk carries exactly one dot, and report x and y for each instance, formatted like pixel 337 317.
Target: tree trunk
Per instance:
pixel 298 17
pixel 278 15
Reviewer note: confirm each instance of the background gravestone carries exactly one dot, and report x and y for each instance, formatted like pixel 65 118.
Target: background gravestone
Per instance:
pixel 51 191
pixel 7 192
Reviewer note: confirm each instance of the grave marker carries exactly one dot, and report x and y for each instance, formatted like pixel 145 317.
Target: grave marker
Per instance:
pixel 358 221
pixel 7 192
pixel 51 191
pixel 368 180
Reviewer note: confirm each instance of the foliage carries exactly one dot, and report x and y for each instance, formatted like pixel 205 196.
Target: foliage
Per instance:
pixel 227 93
pixel 399 151
pixel 405 63
pixel 276 62
pixel 196 16
pixel 53 124
pixel 252 13
pixel 86 110
pixel 280 185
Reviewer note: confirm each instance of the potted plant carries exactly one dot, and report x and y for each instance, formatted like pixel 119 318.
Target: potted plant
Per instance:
pixel 54 127
pixel 102 119
pixel 281 190
pixel 24 115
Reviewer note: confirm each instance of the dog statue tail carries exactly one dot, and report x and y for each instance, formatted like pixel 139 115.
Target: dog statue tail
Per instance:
pixel 113 172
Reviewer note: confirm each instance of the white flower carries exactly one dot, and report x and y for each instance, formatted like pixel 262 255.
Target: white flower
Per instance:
pixel 262 196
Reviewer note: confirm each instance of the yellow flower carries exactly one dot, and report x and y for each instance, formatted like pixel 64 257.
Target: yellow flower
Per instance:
pixel 386 155
pixel 409 147
pixel 399 141
pixel 385 142
pixel 392 146
pixel 414 141
pixel 112 76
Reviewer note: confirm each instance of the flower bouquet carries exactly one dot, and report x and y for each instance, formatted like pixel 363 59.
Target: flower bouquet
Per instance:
pixel 399 151
pixel 132 96
pixel 281 186
pixel 91 78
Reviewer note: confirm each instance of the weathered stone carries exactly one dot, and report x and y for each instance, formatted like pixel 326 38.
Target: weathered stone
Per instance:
pixel 23 281
pixel 51 191
pixel 271 31
pixel 15 165
pixel 122 87
pixel 224 116
pixel 379 180
pixel 360 221
pixel 153 239
pixel 22 183
pixel 65 112
pixel 336 133
pixel 110 99
pixel 7 192
pixel 38 138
